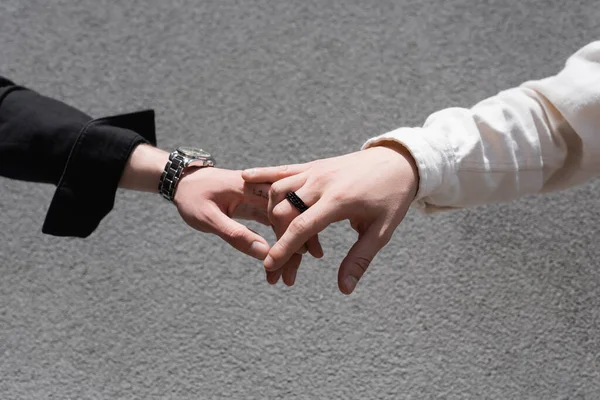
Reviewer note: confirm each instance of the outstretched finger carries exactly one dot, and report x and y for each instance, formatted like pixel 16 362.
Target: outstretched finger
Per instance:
pixel 282 216
pixel 272 174
pixel 273 276
pixel 302 228
pixel 282 212
pixel 359 258
pixel 237 235
pixel 279 191
pixel 290 269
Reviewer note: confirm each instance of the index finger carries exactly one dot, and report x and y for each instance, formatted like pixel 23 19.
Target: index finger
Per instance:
pixel 272 174
pixel 302 228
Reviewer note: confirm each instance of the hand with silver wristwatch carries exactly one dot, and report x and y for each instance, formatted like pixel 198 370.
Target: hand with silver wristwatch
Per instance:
pixel 207 198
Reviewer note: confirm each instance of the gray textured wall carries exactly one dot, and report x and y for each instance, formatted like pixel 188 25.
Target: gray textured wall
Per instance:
pixel 496 302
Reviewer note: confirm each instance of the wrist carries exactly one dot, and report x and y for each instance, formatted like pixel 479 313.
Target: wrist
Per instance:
pixel 144 168
pixel 187 175
pixel 400 150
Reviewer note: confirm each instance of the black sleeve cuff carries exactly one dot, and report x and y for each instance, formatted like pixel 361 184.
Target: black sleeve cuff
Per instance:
pixel 86 191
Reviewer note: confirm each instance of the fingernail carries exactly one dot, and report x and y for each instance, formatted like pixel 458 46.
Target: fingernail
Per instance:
pixel 258 250
pixel 269 263
pixel 250 172
pixel 350 283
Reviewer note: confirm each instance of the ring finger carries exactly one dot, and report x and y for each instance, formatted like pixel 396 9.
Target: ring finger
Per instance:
pixel 277 194
pixel 284 213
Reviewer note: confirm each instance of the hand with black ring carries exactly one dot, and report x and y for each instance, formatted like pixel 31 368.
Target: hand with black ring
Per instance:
pixel 372 188
pixel 279 220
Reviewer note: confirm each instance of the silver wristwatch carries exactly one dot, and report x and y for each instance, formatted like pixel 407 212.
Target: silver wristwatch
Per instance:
pixel 179 160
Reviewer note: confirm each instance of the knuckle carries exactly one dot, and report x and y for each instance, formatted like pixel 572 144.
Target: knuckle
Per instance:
pixel 275 190
pixel 320 178
pixel 338 197
pixel 299 225
pixel 236 234
pixel 282 168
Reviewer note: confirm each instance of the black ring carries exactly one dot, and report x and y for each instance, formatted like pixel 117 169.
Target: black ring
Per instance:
pixel 296 201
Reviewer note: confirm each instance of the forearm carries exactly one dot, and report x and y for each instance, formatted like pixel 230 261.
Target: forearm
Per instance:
pixel 143 169
pixel 539 137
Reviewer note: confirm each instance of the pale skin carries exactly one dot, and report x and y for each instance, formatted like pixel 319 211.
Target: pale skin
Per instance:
pixel 373 189
pixel 208 199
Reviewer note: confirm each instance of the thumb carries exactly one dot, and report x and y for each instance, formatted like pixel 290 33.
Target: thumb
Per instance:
pixel 359 258
pixel 238 236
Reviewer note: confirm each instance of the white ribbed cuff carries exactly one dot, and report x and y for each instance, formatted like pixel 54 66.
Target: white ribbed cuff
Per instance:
pixel 430 151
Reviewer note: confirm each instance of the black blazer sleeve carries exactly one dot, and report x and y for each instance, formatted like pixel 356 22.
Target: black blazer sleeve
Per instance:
pixel 45 140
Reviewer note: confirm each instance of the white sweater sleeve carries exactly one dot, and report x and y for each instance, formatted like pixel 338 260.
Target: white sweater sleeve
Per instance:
pixel 543 135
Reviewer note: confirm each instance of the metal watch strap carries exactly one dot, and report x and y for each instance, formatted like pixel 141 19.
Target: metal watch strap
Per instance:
pixel 170 176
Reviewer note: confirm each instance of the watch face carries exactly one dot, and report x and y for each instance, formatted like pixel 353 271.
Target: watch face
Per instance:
pixel 193 152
